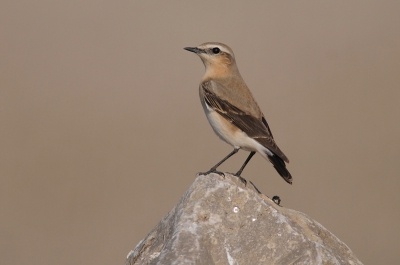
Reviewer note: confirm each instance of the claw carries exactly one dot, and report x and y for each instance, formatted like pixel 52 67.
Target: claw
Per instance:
pixel 243 180
pixel 213 170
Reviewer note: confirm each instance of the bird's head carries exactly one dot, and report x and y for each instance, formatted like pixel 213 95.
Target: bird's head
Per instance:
pixel 218 58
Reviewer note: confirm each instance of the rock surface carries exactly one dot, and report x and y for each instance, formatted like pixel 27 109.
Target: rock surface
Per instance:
pixel 221 221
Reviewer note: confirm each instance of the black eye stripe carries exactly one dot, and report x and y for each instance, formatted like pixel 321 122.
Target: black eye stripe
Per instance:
pixel 216 50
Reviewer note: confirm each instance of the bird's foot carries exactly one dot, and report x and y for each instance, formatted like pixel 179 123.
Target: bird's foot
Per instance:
pixel 213 170
pixel 241 179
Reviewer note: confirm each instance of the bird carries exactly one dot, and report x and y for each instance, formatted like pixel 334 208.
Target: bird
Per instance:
pixel 232 111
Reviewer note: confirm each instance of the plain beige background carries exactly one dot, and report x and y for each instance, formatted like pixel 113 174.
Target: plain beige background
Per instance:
pixel 102 130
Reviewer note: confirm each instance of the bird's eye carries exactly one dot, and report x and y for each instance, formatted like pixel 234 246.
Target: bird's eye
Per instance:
pixel 216 50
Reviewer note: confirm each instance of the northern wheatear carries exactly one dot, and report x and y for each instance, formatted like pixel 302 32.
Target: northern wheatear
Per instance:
pixel 232 111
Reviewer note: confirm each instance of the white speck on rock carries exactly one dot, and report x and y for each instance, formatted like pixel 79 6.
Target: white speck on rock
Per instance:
pixel 231 261
pixel 236 209
pixel 253 219
pixel 154 255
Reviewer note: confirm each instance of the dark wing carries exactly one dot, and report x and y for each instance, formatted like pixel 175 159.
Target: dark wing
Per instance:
pixel 253 127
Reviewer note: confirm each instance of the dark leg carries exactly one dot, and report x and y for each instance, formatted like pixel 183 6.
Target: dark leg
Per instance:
pixel 243 166
pixel 214 168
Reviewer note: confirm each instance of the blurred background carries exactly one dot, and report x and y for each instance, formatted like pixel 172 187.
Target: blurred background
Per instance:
pixel 102 130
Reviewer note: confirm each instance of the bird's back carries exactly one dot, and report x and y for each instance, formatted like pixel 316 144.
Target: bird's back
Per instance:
pixel 234 90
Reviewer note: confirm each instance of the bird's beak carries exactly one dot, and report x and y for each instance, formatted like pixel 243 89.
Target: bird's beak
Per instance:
pixel 194 49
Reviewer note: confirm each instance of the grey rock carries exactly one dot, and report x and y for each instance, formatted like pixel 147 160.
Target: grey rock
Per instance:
pixel 221 221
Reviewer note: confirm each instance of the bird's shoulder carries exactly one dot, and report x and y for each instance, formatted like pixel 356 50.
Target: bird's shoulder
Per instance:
pixel 235 92
pixel 243 119
pixel 215 95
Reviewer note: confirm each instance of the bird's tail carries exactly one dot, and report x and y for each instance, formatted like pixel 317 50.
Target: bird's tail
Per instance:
pixel 280 166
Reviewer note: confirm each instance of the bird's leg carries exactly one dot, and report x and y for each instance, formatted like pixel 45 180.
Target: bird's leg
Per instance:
pixel 245 163
pixel 214 168
pixel 243 166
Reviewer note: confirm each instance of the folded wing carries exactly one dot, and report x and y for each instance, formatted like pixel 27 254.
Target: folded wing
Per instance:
pixel 255 128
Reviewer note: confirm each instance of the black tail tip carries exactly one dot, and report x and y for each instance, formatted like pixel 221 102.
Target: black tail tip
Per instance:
pixel 280 167
pixel 288 178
